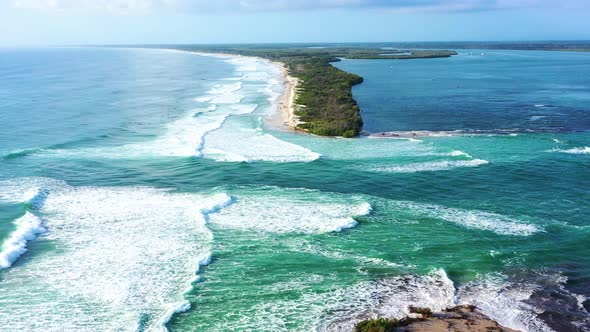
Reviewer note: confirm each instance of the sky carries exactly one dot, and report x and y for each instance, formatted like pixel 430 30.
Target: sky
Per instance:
pixel 79 22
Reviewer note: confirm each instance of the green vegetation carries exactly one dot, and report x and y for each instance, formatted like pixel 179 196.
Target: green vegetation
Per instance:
pixel 403 55
pixel 324 98
pixel 324 101
pixel 570 46
pixel 425 312
pixel 377 325
pixel 384 324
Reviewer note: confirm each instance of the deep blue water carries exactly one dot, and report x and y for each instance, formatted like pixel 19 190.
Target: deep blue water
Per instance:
pixel 476 90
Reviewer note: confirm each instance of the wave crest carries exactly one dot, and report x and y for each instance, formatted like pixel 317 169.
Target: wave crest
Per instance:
pixel 580 150
pixel 130 252
pixel 28 227
pixel 430 166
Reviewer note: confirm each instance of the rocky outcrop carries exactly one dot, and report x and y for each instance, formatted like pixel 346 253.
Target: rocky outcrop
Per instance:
pixel 458 319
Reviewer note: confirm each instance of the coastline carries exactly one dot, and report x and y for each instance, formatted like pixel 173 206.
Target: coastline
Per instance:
pixel 310 81
pixel 282 116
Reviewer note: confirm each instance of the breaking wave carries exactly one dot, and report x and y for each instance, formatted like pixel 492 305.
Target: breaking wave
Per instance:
pixel 582 150
pixel 119 257
pixel 430 166
pixel 276 210
pixel 28 227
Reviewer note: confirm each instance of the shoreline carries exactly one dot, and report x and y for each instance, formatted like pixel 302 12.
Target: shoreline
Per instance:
pixel 330 109
pixel 282 115
pixel 462 318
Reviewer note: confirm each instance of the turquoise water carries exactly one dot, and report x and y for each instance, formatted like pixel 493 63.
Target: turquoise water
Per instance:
pixel 143 189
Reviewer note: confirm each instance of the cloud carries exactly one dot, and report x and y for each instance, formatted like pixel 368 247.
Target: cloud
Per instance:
pixel 229 6
pixel 112 6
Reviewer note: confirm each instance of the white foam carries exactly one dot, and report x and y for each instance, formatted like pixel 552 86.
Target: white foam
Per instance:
pixel 278 210
pixel 239 144
pixel 225 88
pixel 537 117
pixel 430 166
pixel 203 99
pixel 494 222
pixel 364 209
pixel 241 109
pixel 495 297
pixel 253 69
pixel 28 227
pixel 504 303
pixel 341 308
pixel 185 306
pixel 459 153
pixel 119 256
pixel 27 190
pixel 228 98
pixel 392 297
pixel 184 137
pixel 582 150
pixel 257 76
pixel 310 247
pixel 174 309
pixel 223 94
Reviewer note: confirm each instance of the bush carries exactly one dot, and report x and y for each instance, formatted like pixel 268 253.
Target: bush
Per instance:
pixel 349 134
pixel 377 325
pixel 425 312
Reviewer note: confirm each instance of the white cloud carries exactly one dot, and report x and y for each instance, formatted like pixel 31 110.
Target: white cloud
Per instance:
pixel 203 6
pixel 113 6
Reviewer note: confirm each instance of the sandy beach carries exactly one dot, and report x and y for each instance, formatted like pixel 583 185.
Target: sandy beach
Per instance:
pixel 285 118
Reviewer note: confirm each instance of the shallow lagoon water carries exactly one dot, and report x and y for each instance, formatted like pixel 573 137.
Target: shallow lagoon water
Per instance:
pixel 153 172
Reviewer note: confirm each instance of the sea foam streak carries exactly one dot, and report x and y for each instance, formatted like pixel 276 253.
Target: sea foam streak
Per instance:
pixel 582 150
pixel 119 258
pixel 459 153
pixel 494 222
pixel 430 166
pixel 276 210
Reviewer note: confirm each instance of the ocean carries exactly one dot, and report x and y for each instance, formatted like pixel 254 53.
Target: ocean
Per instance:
pixel 143 189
